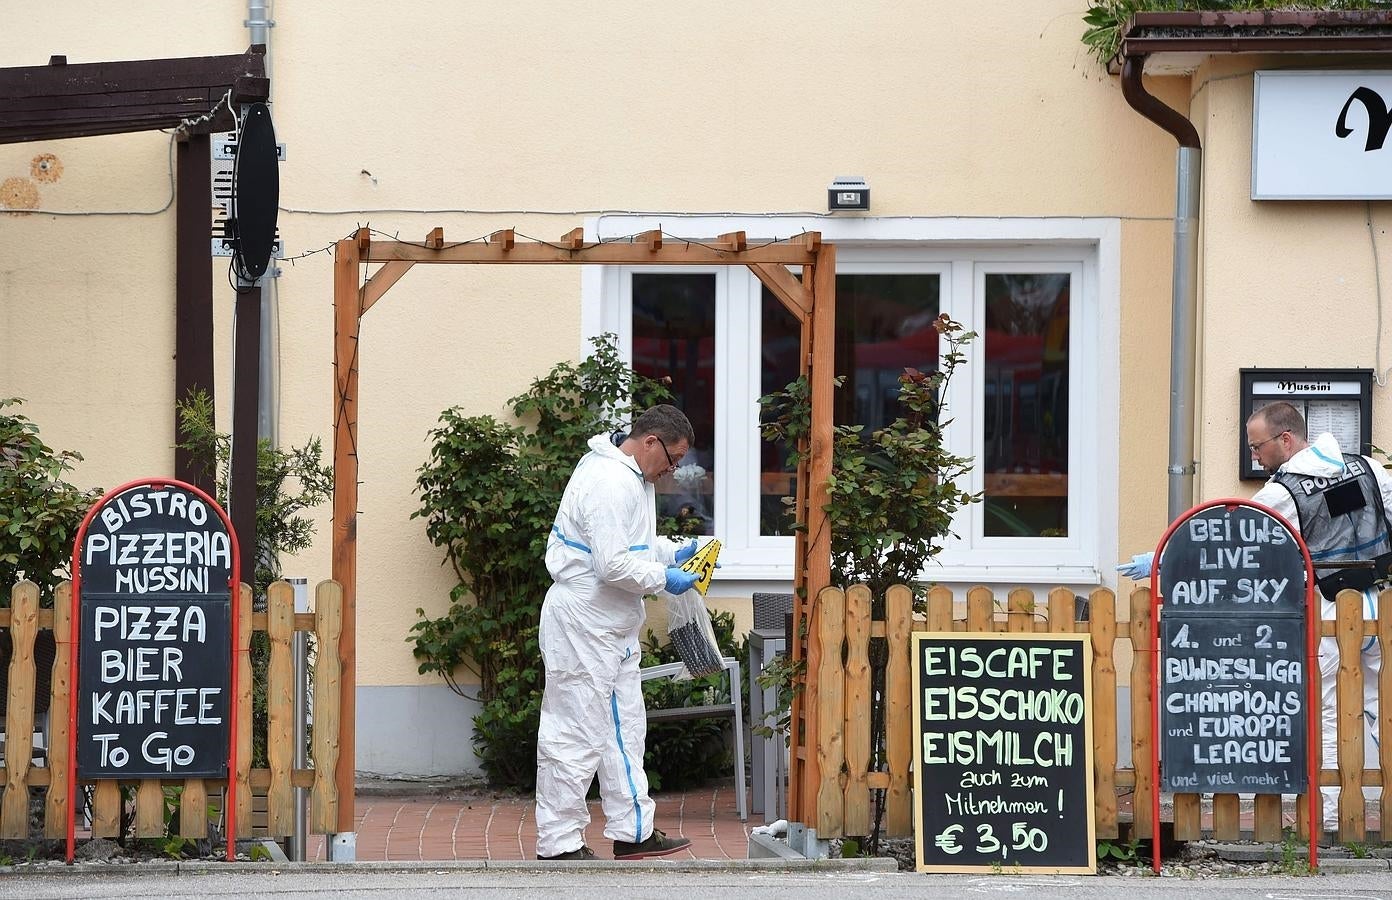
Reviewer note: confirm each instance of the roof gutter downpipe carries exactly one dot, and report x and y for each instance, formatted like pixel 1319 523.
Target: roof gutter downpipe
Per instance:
pixel 1185 294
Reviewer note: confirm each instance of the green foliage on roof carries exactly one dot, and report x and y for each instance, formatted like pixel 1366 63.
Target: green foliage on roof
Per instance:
pixel 1106 19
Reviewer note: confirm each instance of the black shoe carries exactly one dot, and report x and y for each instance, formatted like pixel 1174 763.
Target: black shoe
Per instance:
pixel 582 853
pixel 657 844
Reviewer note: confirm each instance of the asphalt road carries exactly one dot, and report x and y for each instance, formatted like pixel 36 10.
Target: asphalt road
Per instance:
pixel 796 885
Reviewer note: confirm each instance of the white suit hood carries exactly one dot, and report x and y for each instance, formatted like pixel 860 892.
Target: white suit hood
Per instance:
pixel 1323 458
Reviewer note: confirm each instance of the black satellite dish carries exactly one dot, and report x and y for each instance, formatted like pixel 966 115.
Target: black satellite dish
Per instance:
pixel 255 192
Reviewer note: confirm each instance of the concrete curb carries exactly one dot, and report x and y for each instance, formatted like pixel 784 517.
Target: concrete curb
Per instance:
pixel 201 867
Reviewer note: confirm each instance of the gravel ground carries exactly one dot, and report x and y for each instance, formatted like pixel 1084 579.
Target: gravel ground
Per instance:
pixel 1200 859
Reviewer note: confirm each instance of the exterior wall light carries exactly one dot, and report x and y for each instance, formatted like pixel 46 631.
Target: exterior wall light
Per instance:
pixel 848 192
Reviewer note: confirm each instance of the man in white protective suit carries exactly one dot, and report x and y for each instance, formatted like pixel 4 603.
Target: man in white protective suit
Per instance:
pixel 604 555
pixel 1339 503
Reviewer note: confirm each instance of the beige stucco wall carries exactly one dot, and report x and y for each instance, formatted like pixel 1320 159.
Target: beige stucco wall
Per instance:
pixel 1286 284
pixel 402 116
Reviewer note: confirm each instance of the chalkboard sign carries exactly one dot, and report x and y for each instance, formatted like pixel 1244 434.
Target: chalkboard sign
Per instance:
pixel 1003 754
pixel 1234 674
pixel 154 565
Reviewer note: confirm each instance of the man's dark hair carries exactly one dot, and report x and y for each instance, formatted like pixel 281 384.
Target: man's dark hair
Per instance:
pixel 666 422
pixel 1282 416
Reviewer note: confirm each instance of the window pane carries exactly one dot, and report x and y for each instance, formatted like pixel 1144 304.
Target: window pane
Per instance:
pixel 1026 405
pixel 884 324
pixel 674 337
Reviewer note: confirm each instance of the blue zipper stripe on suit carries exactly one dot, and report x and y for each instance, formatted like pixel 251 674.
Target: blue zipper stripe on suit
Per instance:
pixel 628 770
pixel 568 542
pixel 1325 554
pixel 636 547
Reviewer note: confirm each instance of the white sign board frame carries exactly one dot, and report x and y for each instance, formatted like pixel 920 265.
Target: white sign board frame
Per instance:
pixel 1297 150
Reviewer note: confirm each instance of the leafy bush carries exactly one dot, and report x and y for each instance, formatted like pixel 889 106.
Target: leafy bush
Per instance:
pixel 680 754
pixel 40 512
pixel 489 494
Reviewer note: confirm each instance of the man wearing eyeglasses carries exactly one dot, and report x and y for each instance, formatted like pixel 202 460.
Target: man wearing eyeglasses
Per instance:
pixel 1339 503
pixel 604 555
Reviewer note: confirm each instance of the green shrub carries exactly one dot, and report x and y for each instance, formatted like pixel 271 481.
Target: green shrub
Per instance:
pixel 40 512
pixel 489 494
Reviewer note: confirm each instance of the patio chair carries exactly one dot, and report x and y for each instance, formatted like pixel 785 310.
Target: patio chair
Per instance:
pixel 710 711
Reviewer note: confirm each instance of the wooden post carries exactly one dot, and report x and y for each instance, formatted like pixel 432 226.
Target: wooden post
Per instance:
pixel 347 253
pixel 1348 631
pixel 193 297
pixel 1384 723
pixel 242 692
pixel 325 799
pixel 1142 709
pixel 1103 628
pixel 830 749
pixel 857 711
pixel 898 705
pixel 1019 617
pixel 19 711
pixel 280 705
pixel 59 766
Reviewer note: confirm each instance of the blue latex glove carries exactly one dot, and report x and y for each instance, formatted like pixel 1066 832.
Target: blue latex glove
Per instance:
pixel 1139 567
pixel 686 552
pixel 679 581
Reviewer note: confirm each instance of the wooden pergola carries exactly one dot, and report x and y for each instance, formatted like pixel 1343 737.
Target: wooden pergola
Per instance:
pixel 812 300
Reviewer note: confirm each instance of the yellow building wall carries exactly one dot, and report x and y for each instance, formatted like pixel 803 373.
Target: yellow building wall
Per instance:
pixel 476 116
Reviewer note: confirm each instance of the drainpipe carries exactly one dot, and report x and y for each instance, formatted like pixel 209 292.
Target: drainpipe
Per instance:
pixel 1184 300
pixel 259 24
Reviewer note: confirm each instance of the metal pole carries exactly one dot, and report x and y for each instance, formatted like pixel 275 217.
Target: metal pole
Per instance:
pixel 297 844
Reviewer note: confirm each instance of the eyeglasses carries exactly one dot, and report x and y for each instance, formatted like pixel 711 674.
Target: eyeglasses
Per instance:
pixel 1259 444
pixel 671 464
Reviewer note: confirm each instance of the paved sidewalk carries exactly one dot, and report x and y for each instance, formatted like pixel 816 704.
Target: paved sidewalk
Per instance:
pixel 477 826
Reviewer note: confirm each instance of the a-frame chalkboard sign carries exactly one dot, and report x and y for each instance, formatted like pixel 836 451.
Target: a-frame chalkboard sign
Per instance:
pixel 154 626
pixel 1236 686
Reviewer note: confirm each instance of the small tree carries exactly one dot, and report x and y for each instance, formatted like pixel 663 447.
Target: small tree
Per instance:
pixel 892 491
pixel 288 484
pixel 40 512
pixel 892 495
pixel 489 494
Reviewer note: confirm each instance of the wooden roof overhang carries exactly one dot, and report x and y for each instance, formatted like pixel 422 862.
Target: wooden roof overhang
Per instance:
pixel 66 101
pixel 812 300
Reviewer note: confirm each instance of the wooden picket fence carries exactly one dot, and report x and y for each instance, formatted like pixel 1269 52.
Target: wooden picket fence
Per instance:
pixel 25 619
pixel 841 798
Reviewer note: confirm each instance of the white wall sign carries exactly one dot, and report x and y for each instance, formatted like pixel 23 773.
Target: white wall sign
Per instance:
pixel 1322 135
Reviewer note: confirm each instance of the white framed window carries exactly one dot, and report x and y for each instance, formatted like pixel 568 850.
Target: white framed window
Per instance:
pixel 1033 405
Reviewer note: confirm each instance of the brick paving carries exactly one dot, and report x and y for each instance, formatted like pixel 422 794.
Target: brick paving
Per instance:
pixel 475 827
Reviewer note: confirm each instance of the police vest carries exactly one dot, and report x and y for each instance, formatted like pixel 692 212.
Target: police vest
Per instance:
pixel 1341 518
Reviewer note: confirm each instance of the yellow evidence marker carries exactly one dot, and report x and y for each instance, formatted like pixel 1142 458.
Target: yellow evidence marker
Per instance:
pixel 703 563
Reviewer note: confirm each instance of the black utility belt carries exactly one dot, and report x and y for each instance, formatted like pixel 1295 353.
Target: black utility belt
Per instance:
pixel 1359 579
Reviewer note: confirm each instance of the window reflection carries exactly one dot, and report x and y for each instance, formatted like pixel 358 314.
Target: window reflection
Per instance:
pixel 674 337
pixel 884 324
pixel 1026 405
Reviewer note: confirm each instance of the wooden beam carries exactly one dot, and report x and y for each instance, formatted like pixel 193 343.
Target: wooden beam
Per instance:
pixel 435 239
pixel 789 291
pixel 76 100
pixel 503 239
pixel 788 253
pixel 574 239
pixel 381 282
pixel 735 240
pixel 345 503
pixel 650 239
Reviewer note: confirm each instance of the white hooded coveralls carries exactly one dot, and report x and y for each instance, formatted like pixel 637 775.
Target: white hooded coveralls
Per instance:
pixel 604 555
pixel 1323 459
